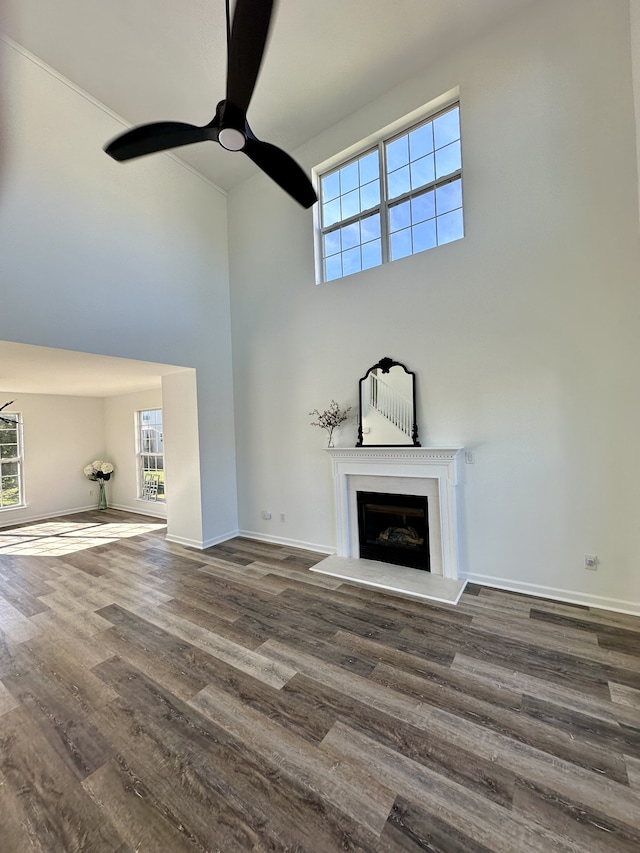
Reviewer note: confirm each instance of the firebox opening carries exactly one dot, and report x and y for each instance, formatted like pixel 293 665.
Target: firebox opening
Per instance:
pixel 394 529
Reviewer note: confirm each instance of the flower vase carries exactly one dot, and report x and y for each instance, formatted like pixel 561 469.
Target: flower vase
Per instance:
pixel 102 497
pixel 330 439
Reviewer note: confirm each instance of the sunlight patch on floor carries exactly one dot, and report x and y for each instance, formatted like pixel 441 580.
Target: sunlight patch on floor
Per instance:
pixel 66 537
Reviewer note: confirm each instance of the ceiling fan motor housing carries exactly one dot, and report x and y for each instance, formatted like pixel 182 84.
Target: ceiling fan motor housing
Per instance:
pixel 231 121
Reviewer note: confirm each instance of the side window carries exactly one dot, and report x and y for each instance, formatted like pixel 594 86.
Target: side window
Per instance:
pixel 11 460
pixel 150 455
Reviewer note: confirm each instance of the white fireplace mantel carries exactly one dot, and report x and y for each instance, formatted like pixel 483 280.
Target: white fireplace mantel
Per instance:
pixel 413 463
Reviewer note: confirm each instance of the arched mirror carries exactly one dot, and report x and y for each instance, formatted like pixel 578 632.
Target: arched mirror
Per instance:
pixel 387 397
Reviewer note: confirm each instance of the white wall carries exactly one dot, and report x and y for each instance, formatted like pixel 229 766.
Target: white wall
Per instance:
pixel 61 436
pixel 523 335
pixel 634 9
pixel 120 441
pixel 120 259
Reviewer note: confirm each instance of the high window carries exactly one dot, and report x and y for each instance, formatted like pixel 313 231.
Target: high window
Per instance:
pixel 400 197
pixel 150 451
pixel 11 461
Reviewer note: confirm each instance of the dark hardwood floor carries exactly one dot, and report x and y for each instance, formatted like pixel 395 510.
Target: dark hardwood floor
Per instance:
pixel 158 699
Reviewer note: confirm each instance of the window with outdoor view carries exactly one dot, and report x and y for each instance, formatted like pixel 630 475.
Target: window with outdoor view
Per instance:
pixel 397 198
pixel 150 450
pixel 11 458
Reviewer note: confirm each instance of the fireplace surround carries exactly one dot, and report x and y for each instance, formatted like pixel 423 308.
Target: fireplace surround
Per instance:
pixel 428 471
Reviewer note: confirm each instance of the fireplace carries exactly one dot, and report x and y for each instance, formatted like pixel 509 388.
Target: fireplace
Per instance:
pixel 428 472
pixel 394 528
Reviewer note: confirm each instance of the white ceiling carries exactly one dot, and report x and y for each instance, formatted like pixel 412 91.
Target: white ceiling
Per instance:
pixel 29 369
pixel 148 60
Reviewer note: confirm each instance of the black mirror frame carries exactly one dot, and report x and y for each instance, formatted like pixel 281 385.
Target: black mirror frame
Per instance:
pixel 385 365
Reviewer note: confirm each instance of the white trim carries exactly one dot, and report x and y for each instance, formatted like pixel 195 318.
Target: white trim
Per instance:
pixel 125 508
pixel 290 543
pixel 406 462
pixel 438 104
pixel 600 602
pixel 40 516
pixel 199 544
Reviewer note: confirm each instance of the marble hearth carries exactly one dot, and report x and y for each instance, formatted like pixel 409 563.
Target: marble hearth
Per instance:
pixel 426 471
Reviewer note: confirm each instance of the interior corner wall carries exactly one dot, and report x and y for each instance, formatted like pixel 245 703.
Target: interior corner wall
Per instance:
pixel 120 259
pixel 634 10
pixel 120 442
pixel 61 435
pixel 523 335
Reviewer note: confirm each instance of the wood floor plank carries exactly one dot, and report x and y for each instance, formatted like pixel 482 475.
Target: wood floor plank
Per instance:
pixel 222 793
pixel 514 722
pixel 61 715
pixel 385 700
pixel 592 830
pixel 252 662
pixel 368 801
pixel 157 698
pixel 141 821
pixel 485 823
pixel 18 833
pixel 7 700
pixel 585 788
pixel 15 625
pixel 441 756
pixel 411 826
pixel 57 810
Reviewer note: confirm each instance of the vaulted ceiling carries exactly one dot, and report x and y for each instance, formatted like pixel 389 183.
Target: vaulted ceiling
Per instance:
pixel 148 60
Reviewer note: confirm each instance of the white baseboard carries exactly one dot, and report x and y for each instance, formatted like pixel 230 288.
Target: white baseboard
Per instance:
pixel 16 516
pixel 281 540
pixel 138 511
pixel 565 595
pixel 200 544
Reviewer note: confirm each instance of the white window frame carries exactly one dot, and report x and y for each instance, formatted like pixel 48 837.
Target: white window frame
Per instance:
pixel 379 141
pixel 18 460
pixel 144 493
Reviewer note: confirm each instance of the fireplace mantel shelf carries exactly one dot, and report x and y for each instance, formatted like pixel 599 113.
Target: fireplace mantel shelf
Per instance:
pixel 435 463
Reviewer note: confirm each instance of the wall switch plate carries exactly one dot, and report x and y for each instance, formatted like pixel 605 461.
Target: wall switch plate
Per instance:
pixel 266 514
pixel 468 457
pixel 591 562
pixel 283 517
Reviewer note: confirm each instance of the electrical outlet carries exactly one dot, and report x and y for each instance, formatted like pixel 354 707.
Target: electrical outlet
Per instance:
pixel 283 517
pixel 90 492
pixel 591 562
pixel 266 514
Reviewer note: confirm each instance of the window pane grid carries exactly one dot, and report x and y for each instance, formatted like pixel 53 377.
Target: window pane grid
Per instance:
pixel 150 441
pixel 420 173
pixel 11 462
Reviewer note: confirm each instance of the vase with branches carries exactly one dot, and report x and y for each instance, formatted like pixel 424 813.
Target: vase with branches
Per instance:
pixel 331 418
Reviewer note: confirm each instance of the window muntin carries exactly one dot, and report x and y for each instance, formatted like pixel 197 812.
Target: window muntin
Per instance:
pixel 350 198
pixel 150 452
pixel 11 461
pixel 400 198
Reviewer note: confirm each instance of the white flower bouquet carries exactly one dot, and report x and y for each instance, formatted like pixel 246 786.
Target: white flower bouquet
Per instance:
pixel 99 470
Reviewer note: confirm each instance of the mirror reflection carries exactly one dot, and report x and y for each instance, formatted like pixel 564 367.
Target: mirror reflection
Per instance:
pixel 387 406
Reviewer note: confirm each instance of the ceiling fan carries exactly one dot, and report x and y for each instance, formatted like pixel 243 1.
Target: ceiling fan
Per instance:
pixel 246 41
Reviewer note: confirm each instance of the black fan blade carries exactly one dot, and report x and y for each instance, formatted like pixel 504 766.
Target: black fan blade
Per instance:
pixel 282 168
pixel 251 19
pixel 158 136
